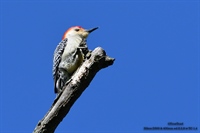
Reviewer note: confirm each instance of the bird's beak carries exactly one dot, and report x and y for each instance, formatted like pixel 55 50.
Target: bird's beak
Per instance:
pixel 91 30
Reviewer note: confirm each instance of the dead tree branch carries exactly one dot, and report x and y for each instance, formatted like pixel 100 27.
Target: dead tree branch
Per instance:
pixel 72 90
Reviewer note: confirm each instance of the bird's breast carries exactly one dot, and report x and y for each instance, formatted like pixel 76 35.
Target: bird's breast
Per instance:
pixel 72 58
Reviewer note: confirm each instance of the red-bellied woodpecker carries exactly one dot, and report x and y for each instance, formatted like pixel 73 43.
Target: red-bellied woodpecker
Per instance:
pixel 68 55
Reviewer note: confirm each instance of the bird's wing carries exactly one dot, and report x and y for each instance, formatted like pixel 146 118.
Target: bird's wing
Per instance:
pixel 57 59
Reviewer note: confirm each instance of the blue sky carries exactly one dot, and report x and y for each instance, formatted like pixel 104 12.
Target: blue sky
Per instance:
pixel 154 80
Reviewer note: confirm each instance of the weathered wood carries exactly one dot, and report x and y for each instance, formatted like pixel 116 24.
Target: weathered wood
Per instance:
pixel 72 90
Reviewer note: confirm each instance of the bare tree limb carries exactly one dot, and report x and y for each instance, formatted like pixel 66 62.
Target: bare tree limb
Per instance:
pixel 72 90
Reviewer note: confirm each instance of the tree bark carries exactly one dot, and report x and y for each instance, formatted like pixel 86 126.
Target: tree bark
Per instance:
pixel 72 90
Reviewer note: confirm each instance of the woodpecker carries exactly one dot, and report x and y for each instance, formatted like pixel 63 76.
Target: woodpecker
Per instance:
pixel 68 55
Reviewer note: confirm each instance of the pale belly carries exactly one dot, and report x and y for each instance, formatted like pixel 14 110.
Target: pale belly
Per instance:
pixel 71 64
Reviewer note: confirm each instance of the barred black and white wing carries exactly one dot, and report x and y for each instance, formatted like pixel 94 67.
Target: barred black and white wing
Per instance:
pixel 57 59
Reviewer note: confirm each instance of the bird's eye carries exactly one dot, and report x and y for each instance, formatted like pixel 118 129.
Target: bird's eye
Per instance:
pixel 77 30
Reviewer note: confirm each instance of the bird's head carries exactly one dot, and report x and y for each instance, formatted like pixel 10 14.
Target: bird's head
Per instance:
pixel 78 31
